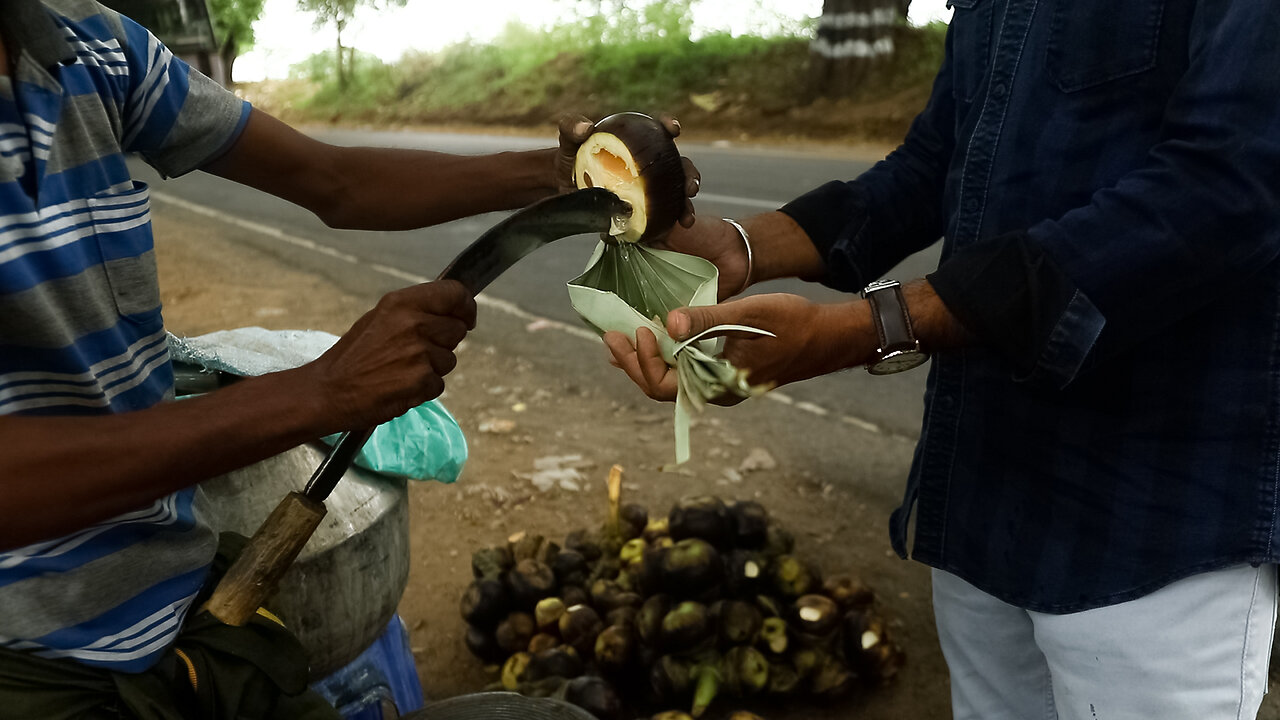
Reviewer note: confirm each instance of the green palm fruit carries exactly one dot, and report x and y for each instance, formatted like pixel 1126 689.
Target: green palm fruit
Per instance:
pixel 685 626
pixel 546 614
pixel 738 622
pixel 746 671
pixel 513 670
pixel 491 562
pixel 773 635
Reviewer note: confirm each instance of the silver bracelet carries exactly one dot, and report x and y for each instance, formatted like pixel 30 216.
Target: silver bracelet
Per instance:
pixel 746 242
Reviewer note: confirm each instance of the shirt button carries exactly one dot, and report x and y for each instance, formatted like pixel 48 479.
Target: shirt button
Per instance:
pixel 999 90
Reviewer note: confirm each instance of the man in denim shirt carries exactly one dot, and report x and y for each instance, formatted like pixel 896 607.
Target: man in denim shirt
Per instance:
pixel 1096 480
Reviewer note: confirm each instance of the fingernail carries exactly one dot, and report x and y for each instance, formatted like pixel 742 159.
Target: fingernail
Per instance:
pixel 582 128
pixel 679 325
pixel 675 123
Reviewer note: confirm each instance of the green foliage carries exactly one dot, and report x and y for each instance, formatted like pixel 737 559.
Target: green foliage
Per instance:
pixel 370 82
pixel 233 21
pixel 642 59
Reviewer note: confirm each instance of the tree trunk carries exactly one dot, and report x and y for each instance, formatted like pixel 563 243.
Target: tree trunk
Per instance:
pixel 229 51
pixel 854 38
pixel 342 73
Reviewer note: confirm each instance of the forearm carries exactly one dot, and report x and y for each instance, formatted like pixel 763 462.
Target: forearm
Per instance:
pixel 381 188
pixel 62 474
pixel 386 189
pixel 780 248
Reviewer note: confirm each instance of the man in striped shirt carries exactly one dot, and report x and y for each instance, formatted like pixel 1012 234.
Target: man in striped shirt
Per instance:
pixel 103 542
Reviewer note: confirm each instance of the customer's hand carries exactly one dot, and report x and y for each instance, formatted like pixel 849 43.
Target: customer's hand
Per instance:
pixel 394 357
pixel 574 130
pixel 811 340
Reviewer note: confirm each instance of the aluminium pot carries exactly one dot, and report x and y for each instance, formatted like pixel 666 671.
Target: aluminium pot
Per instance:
pixel 499 706
pixel 343 589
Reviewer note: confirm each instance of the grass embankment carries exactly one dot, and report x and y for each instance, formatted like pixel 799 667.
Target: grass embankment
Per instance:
pixel 742 86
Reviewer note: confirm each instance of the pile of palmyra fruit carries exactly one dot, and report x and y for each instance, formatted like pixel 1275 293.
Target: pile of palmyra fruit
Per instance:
pixel 648 612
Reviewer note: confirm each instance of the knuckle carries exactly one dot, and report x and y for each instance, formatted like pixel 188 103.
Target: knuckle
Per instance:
pixel 445 362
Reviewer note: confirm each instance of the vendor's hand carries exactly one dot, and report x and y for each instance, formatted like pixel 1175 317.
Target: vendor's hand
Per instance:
pixel 574 130
pixel 395 357
pixel 811 340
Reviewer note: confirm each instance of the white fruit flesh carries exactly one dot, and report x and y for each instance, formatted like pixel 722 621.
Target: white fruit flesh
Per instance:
pixel 604 161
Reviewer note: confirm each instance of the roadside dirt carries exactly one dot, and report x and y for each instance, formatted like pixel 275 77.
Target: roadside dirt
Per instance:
pixel 551 395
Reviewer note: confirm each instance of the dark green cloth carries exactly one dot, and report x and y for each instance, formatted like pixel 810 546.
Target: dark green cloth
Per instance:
pixel 255 672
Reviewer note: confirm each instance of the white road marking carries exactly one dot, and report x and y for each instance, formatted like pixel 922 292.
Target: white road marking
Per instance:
pixel 743 201
pixel 503 306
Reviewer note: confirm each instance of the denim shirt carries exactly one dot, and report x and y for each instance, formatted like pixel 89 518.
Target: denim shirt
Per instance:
pixel 1106 179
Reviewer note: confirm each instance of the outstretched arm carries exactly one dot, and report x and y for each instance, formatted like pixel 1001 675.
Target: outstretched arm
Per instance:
pixel 382 188
pixel 369 188
pixel 812 339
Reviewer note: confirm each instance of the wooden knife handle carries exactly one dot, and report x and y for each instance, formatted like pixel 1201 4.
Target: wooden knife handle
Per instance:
pixel 253 577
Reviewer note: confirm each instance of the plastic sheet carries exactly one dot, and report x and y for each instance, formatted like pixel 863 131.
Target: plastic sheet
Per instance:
pixel 425 443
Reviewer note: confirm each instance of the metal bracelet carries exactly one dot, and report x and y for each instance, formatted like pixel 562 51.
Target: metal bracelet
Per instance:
pixel 746 242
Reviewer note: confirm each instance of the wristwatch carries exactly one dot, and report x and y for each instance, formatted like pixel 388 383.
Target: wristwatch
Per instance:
pixel 898 350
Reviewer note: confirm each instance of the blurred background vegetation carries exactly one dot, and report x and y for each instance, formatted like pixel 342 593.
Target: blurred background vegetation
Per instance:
pixel 609 55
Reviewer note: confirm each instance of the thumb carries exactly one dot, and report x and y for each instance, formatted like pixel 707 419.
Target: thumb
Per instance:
pixel 684 323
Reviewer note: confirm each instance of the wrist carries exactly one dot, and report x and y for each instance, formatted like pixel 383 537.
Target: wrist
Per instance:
pixel 849 334
pixel 745 252
pixel 534 175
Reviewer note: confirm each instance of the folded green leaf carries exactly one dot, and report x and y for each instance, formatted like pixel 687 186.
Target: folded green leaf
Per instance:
pixel 629 286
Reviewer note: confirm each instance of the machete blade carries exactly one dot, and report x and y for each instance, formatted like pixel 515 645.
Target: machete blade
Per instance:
pixel 591 210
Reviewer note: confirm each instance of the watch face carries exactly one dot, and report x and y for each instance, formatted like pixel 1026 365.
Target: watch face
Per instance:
pixel 897 362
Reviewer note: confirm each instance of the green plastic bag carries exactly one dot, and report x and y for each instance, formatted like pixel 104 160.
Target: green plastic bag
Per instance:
pixel 425 443
pixel 628 286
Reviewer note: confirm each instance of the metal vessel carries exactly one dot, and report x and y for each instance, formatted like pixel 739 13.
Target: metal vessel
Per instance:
pixel 344 587
pixel 499 706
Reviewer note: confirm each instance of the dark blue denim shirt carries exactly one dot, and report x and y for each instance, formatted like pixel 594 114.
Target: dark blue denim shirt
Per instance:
pixel 1106 178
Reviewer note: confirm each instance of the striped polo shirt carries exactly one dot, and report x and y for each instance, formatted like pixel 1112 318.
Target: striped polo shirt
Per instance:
pixel 80 325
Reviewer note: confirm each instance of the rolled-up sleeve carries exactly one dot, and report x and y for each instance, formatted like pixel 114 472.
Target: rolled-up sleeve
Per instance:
pixel 1010 293
pixel 864 227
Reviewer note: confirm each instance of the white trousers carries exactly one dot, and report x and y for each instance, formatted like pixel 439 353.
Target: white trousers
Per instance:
pixel 1197 649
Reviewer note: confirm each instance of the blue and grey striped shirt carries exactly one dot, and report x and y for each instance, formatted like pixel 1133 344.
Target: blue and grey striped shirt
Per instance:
pixel 80 325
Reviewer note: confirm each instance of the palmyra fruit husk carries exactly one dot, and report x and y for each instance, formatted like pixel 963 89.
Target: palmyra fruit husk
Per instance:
pixel 632 155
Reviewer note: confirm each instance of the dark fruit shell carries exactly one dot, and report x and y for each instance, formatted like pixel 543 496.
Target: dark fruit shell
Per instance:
pixel 595 695
pixel 482 644
pixel 485 602
pixel 658 162
pixel 530 581
pixel 704 517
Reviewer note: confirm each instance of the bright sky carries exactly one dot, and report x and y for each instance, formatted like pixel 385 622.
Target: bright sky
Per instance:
pixel 286 36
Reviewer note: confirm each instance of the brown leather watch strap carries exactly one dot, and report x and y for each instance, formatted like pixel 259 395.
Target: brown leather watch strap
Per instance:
pixel 889 310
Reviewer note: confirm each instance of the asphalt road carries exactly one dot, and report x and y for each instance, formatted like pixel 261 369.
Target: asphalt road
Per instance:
pixel 736 182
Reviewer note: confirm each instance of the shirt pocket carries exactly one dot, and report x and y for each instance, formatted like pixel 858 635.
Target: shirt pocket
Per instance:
pixel 1092 42
pixel 122 227
pixel 971 29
